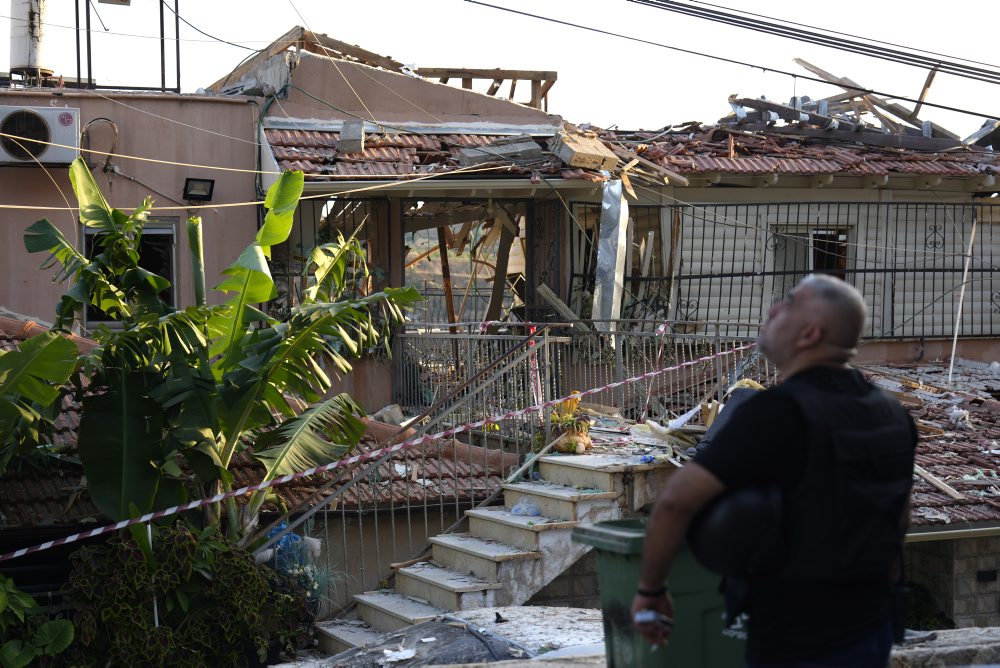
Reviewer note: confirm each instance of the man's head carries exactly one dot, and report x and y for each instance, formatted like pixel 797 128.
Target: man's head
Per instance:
pixel 818 323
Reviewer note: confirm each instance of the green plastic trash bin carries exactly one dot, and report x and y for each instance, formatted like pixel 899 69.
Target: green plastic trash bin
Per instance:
pixel 697 640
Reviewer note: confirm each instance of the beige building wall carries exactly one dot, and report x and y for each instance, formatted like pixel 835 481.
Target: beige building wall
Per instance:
pixel 320 90
pixel 151 125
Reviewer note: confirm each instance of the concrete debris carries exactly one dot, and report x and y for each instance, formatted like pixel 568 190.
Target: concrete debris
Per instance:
pixel 954 647
pixel 391 414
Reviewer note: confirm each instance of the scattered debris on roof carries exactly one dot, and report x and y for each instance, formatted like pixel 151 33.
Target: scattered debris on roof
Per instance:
pixel 957 480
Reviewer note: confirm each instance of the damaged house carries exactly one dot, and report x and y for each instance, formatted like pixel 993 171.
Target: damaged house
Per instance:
pixel 623 251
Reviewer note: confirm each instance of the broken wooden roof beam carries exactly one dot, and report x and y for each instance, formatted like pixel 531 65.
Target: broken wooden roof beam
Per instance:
pixel 799 114
pixel 854 89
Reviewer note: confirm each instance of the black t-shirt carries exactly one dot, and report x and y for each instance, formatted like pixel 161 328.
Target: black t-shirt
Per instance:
pixel 764 442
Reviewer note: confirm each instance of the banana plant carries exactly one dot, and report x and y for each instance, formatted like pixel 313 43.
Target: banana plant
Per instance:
pixel 30 381
pixel 176 394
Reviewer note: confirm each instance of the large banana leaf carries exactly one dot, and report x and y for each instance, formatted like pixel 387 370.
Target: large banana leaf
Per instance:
pixel 282 198
pixel 285 359
pixel 93 206
pixel 30 378
pixel 320 435
pixel 37 369
pixel 121 445
pixel 249 278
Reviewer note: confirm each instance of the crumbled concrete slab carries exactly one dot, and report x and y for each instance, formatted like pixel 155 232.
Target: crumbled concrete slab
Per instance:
pixel 953 647
pixel 541 629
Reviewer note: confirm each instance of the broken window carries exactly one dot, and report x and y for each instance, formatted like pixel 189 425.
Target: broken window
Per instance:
pixel 483 241
pixel 829 252
pixel 323 221
pixel 645 283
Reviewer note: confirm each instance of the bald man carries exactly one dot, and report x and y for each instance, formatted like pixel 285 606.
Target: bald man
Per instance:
pixel 841 453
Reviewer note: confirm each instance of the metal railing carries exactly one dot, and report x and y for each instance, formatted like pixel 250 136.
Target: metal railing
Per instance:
pixel 385 511
pixel 731 262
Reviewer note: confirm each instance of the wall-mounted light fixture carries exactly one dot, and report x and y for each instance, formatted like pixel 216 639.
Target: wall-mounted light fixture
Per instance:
pixel 198 190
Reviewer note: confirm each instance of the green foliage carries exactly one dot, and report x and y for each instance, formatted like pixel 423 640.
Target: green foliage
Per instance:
pixel 216 606
pixel 923 612
pixel 30 378
pixel 26 634
pixel 179 393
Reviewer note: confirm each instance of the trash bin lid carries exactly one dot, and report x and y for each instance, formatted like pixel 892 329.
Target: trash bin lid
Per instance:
pixel 619 536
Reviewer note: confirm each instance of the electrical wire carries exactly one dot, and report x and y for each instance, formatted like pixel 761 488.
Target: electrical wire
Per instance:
pixel 334 60
pixel 846 34
pixel 199 30
pixel 88 91
pixel 337 193
pixel 128 34
pixel 815 38
pixel 136 157
pixel 732 61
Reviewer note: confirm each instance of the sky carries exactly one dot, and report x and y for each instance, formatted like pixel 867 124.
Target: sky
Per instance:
pixel 603 80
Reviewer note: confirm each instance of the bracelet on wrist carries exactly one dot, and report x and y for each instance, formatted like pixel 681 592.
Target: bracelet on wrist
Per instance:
pixel 652 593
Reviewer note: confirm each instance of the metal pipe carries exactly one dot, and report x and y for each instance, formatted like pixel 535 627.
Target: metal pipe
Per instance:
pixel 163 50
pixel 90 72
pixel 961 298
pixel 78 72
pixel 177 42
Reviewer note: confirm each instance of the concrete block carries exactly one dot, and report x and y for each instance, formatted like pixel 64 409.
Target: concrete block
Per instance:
pixel 985 546
pixel 965 566
pixel 352 137
pixel 578 150
pixel 516 149
pixel 965 547
pixel 965 606
pixel 586 586
pixel 988 604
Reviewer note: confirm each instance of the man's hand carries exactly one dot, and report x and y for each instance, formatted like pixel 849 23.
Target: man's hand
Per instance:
pixel 657 631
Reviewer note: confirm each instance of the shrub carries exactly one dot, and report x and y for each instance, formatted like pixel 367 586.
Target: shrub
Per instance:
pixel 214 604
pixel 25 633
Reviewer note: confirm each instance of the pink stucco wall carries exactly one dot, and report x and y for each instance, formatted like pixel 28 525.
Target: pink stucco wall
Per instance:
pixel 392 97
pixel 226 140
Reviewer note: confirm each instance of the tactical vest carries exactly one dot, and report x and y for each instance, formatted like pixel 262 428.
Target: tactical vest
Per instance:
pixel 842 520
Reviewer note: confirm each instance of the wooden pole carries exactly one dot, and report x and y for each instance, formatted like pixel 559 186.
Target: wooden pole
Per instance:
pixel 449 299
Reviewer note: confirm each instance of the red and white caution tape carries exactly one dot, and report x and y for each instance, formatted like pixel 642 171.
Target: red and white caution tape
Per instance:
pixel 427 438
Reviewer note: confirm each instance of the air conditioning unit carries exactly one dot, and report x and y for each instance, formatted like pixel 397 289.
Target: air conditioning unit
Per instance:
pixel 57 127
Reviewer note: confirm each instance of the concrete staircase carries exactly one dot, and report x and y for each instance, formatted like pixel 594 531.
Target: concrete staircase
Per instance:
pixel 504 559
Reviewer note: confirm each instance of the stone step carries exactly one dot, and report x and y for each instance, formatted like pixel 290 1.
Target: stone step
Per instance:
pixel 526 532
pixel 444 587
pixel 585 471
pixel 606 472
pixel 339 635
pixel 388 610
pixel 553 500
pixel 487 559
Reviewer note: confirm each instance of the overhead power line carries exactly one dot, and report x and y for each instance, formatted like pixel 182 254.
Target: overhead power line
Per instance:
pixel 847 34
pixel 130 34
pixel 199 30
pixel 733 61
pixel 819 39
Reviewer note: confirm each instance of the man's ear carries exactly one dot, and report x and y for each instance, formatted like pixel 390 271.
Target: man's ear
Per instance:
pixel 810 336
